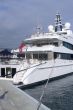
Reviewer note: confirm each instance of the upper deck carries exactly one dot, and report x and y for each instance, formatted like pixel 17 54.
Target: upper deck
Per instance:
pixel 58 32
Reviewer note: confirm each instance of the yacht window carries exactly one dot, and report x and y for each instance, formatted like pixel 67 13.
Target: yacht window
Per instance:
pixel 67 56
pixel 43 56
pixel 39 44
pixel 63 56
pixel 55 43
pixel 21 55
pixel 71 56
pixel 40 56
pixel 70 46
pixel 28 56
pixel 35 56
pixel 55 55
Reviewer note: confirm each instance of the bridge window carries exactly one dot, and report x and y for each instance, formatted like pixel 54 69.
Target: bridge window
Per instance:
pixel 70 46
pixel 43 56
pixel 40 56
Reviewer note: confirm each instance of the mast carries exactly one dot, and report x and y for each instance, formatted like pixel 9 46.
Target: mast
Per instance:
pixel 58 23
pixel 38 29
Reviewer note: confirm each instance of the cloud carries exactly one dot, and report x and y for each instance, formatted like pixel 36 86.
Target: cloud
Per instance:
pixel 18 18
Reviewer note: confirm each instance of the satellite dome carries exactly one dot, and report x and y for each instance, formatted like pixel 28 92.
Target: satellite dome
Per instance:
pixel 67 25
pixel 50 28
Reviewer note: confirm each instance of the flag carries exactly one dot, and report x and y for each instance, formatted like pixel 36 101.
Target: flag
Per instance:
pixel 21 47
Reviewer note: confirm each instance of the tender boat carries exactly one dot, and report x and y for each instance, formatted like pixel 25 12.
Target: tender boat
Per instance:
pixel 47 55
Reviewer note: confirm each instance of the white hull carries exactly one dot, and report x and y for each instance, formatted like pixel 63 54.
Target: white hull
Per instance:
pixel 51 69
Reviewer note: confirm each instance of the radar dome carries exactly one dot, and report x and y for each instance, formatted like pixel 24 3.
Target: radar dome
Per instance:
pixel 50 28
pixel 67 25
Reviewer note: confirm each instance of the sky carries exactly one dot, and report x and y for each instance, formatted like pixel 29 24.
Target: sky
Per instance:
pixel 19 18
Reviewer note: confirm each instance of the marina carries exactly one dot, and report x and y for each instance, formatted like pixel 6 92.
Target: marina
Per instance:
pixel 36 55
pixel 41 57
pixel 39 74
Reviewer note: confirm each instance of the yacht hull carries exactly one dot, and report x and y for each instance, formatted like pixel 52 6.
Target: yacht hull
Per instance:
pixel 29 86
pixel 50 70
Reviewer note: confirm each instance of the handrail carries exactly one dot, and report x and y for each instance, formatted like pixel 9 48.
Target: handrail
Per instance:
pixel 27 68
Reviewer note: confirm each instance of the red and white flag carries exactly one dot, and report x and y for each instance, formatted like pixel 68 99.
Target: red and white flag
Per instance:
pixel 22 45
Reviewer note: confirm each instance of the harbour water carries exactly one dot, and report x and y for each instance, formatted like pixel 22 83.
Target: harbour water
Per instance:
pixel 58 94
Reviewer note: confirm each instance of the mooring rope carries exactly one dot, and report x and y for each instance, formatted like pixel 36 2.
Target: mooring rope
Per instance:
pixel 45 86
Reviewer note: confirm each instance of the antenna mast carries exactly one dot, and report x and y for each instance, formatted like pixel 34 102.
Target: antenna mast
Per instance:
pixel 58 24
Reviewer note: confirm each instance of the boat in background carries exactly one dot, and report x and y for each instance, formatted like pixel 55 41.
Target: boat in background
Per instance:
pixel 47 55
pixel 9 64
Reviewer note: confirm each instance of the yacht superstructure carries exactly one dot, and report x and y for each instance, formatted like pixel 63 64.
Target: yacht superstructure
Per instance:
pixel 48 54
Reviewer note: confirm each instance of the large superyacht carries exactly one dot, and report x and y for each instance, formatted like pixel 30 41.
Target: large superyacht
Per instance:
pixel 47 55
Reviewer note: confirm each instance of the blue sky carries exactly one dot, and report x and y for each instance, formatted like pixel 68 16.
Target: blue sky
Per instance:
pixel 19 18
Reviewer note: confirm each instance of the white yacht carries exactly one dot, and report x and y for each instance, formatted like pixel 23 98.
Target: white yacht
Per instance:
pixel 9 64
pixel 8 69
pixel 47 55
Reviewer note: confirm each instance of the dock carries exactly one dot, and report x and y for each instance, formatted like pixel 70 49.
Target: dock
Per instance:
pixel 12 98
